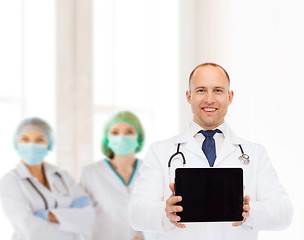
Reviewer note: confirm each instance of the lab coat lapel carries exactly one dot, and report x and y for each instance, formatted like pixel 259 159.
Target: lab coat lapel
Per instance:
pixel 22 171
pixel 230 145
pixel 49 172
pixel 189 143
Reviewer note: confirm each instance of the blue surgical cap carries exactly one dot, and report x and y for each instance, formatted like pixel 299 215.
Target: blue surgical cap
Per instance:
pixel 35 124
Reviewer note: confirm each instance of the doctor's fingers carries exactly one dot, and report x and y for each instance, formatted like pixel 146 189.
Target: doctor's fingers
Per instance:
pixel 173 217
pixel 138 238
pixel 246 208
pixel 172 200
pixel 172 186
pixel 237 224
pixel 179 225
pixel 245 215
pixel 247 199
pixel 173 209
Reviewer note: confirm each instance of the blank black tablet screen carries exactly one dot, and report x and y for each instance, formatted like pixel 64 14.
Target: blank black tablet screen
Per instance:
pixel 210 194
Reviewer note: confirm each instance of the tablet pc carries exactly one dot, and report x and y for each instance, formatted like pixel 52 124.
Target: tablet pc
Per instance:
pixel 210 194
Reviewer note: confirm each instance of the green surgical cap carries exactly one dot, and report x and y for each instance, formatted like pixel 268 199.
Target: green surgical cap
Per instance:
pixel 123 116
pixel 35 124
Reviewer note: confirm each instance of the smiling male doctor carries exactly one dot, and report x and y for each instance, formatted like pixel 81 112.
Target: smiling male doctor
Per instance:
pixel 209 142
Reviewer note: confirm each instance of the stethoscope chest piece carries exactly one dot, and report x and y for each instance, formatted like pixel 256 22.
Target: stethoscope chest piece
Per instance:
pixel 244 158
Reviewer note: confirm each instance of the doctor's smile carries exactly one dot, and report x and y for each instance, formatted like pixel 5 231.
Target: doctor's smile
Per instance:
pixel 209 109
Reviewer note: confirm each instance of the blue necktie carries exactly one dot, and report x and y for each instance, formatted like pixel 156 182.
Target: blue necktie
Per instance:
pixel 208 146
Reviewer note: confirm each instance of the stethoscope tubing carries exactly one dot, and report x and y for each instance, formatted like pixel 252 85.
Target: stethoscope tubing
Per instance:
pixel 175 154
pixel 40 193
pixel 244 158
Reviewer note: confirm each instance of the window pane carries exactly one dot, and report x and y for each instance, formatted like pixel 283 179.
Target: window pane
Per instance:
pixel 99 121
pixel 10 116
pixel 39 58
pixel 133 53
pixel 10 48
pixel 103 51
pixel 136 61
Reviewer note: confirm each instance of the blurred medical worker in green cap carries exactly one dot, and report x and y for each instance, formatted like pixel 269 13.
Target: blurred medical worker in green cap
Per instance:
pixel 110 181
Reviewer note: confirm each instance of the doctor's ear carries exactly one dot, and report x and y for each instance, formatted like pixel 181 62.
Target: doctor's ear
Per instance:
pixel 231 94
pixel 188 96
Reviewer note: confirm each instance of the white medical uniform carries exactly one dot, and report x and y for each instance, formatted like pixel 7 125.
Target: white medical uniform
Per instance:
pixel 20 200
pixel 110 197
pixel 270 206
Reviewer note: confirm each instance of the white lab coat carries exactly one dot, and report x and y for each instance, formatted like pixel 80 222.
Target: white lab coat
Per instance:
pixel 110 199
pixel 270 206
pixel 20 200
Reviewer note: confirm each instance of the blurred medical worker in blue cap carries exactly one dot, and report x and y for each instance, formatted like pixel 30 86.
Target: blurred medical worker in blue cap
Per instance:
pixel 110 181
pixel 41 200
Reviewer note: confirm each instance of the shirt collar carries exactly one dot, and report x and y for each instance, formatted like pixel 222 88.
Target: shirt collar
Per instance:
pixel 195 128
pixel 23 171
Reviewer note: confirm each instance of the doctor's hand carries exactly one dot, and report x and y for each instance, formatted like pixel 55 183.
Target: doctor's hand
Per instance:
pixel 138 237
pixel 171 208
pixel 81 202
pixel 43 214
pixel 245 213
pixel 46 215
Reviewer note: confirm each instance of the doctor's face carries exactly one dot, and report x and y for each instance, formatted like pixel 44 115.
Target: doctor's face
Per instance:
pixel 122 128
pixel 32 137
pixel 209 96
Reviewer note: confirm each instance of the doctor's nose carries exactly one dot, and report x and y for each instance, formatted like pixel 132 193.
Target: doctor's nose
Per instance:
pixel 209 98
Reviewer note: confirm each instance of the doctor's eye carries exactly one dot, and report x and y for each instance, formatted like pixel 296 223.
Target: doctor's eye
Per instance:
pixel 40 140
pixel 24 139
pixel 114 132
pixel 201 90
pixel 130 132
pixel 218 90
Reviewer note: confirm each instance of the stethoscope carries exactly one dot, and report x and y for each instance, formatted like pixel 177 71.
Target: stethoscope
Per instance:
pixel 244 158
pixel 40 193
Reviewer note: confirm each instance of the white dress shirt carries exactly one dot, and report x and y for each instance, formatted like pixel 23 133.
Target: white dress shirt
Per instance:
pixel 200 138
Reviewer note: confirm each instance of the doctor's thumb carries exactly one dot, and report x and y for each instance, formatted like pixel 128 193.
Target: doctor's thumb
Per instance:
pixel 171 186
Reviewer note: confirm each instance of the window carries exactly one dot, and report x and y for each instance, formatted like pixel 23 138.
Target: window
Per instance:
pixel 136 65
pixel 27 75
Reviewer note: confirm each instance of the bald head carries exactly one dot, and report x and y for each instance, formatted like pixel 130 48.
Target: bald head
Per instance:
pixel 205 65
